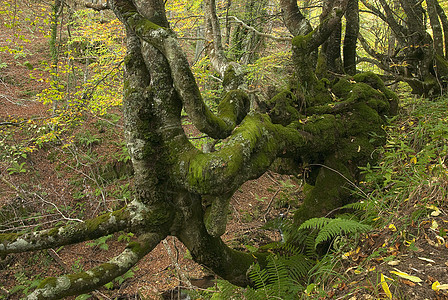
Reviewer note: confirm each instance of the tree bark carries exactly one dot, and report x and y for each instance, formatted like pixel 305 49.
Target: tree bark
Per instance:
pixel 351 36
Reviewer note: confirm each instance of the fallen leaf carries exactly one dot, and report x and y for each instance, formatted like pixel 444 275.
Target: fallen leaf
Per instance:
pixel 440 239
pixel 434 225
pixel 437 286
pixel 406 276
pixel 436 211
pixel 408 282
pixel 426 259
pixel 392 227
pixel 393 262
pixel 385 287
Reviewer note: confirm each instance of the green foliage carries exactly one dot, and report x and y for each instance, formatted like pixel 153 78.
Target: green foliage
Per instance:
pixel 119 280
pixel 16 168
pixel 88 139
pixel 101 242
pixel 25 284
pixel 125 237
pixel 330 228
pixel 270 70
pixel 280 279
pixel 413 159
pixel 211 89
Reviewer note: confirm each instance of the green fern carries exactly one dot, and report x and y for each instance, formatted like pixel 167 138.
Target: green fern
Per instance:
pixel 356 206
pixel 330 228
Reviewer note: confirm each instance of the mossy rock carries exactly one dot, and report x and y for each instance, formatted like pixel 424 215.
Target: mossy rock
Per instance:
pixel 342 88
pixel 371 79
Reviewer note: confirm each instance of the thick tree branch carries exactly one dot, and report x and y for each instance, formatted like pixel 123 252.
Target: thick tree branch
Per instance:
pixel 431 6
pixel 84 282
pixel 294 20
pixel 134 217
pixel 351 36
pixel 231 72
pixel 165 40
pixel 306 44
pixel 65 235
pixel 247 154
pixel 211 251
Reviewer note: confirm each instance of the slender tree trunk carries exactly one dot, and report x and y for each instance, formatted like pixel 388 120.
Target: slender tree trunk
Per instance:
pixel 351 36
pixel 444 21
pixel 436 27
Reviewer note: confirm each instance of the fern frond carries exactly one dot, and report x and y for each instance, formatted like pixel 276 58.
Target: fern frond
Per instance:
pixel 355 206
pixel 298 266
pixel 339 226
pixel 227 290
pixel 259 276
pixel 315 223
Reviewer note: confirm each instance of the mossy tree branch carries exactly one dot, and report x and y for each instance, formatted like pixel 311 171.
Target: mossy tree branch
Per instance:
pixel 84 282
pixel 132 218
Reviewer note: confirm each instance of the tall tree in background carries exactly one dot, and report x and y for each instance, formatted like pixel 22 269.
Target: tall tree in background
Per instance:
pixel 419 57
pixel 317 124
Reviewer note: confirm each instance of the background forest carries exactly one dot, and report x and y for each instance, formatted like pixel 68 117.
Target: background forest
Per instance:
pixel 65 159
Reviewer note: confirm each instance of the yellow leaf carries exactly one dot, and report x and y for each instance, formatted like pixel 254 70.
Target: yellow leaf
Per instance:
pixel 406 276
pixel 435 286
pixel 436 211
pixel 434 225
pixel 385 287
pixel 414 160
pixel 392 227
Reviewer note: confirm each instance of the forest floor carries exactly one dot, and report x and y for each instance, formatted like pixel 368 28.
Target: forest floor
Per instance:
pixel 55 185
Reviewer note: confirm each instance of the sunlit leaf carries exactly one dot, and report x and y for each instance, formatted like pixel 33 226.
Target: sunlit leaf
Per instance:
pixel 385 287
pixel 406 276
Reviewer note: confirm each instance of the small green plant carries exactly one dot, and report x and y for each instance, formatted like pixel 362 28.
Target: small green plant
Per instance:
pixel 26 284
pixel 125 236
pixel 88 139
pixel 100 242
pixel 119 280
pixel 16 168
pixel 77 266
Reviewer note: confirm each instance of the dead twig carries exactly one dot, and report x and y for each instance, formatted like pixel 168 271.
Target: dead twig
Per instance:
pixel 270 203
